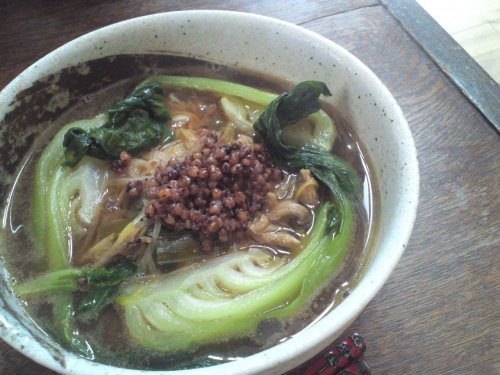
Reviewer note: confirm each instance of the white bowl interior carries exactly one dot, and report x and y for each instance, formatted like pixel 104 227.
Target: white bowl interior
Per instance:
pixel 288 52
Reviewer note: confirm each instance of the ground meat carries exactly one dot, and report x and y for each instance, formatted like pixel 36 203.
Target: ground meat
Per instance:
pixel 214 192
pixel 135 188
pixel 119 165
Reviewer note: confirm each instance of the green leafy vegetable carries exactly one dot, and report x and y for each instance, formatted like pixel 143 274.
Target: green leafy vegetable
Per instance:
pixel 104 284
pixel 135 124
pixel 228 296
pixel 55 190
pixel 96 300
pixel 289 108
pixel 102 277
pixel 212 85
pixel 78 143
pixel 83 279
pixel 64 280
pixel 64 326
pixel 318 129
pixel 100 283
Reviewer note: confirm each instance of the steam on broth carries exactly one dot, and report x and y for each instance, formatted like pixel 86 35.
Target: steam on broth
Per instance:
pixel 196 217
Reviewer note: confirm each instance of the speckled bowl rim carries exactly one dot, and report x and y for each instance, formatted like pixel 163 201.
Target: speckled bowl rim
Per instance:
pixel 304 344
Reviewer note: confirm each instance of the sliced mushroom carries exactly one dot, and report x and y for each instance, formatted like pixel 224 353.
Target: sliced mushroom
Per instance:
pixel 263 231
pixel 271 200
pixel 289 210
pixel 261 224
pixel 307 193
pixel 280 238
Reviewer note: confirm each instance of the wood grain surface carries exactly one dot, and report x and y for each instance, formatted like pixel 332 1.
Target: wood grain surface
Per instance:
pixel 439 312
pixel 462 68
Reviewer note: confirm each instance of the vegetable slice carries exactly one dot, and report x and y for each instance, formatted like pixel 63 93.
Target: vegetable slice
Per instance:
pixel 229 295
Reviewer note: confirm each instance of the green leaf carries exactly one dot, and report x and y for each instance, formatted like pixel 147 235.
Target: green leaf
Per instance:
pixel 104 284
pixel 135 124
pixel 138 133
pixel 102 277
pixel 289 108
pixel 148 98
pixel 77 142
pixel 300 102
pixel 64 327
pixel 66 280
pixel 96 300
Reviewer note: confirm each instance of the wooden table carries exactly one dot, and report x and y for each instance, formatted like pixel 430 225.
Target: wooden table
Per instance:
pixel 439 312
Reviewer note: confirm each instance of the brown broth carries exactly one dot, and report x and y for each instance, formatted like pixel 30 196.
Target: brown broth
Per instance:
pixel 110 341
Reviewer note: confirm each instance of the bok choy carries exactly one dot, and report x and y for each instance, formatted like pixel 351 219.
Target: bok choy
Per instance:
pixel 100 283
pixel 286 110
pixel 228 296
pixel 317 130
pixel 54 193
pixel 56 190
pixel 78 279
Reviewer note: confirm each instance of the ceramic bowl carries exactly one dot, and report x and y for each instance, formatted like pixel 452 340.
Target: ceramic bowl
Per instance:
pixel 245 41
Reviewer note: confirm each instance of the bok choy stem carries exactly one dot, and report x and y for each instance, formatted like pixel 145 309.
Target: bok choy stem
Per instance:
pixel 230 295
pixel 50 223
pixel 49 218
pixel 213 85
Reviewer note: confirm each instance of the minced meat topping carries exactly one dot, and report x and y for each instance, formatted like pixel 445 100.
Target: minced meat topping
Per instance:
pixel 214 192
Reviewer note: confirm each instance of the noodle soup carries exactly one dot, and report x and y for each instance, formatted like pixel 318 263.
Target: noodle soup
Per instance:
pixel 190 220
